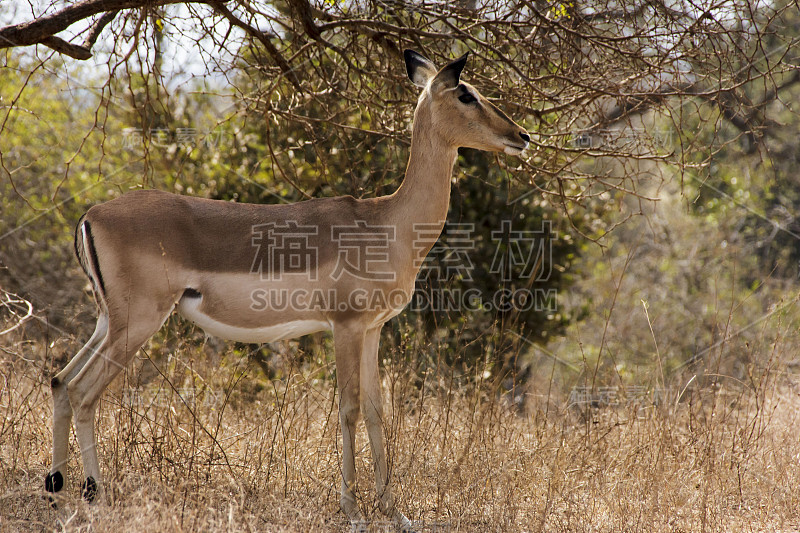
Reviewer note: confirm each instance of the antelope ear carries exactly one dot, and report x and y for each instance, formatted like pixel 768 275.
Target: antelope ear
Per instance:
pixel 419 68
pixel 449 76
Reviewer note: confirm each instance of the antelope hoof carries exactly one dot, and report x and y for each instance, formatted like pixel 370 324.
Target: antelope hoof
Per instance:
pixel 53 482
pixel 89 489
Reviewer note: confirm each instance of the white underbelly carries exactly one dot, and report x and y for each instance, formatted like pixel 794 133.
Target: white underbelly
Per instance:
pixel 189 309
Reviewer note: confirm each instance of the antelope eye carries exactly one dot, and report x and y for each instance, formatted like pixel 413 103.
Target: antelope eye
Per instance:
pixel 467 98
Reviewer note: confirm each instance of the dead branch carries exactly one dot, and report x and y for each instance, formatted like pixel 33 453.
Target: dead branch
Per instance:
pixel 43 29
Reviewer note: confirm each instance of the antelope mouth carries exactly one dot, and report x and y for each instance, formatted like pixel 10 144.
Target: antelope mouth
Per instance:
pixel 513 149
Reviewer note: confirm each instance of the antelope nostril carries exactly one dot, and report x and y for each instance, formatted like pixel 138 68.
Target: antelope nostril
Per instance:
pixel 525 137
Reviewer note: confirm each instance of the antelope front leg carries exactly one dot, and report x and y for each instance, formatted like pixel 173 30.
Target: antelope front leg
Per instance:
pixel 348 344
pixel 372 408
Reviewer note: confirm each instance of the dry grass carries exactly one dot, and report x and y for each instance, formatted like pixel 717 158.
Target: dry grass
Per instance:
pixel 203 442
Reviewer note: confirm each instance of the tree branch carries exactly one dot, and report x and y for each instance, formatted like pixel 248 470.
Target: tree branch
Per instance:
pixel 43 29
pixel 730 106
pixel 303 11
pixel 263 38
pixel 37 30
pixel 98 27
pixel 72 50
pixel 773 93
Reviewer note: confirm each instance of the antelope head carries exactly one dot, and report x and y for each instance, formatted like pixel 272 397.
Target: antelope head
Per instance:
pixel 456 112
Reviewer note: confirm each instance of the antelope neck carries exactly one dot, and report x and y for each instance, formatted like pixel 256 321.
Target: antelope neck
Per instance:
pixel 424 195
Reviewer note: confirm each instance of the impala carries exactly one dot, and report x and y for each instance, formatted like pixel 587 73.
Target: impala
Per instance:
pixel 261 273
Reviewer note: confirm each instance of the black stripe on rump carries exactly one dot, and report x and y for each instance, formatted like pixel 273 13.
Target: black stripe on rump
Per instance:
pixel 93 257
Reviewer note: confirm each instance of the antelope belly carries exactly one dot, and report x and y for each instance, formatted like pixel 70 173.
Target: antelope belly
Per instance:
pixel 189 308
